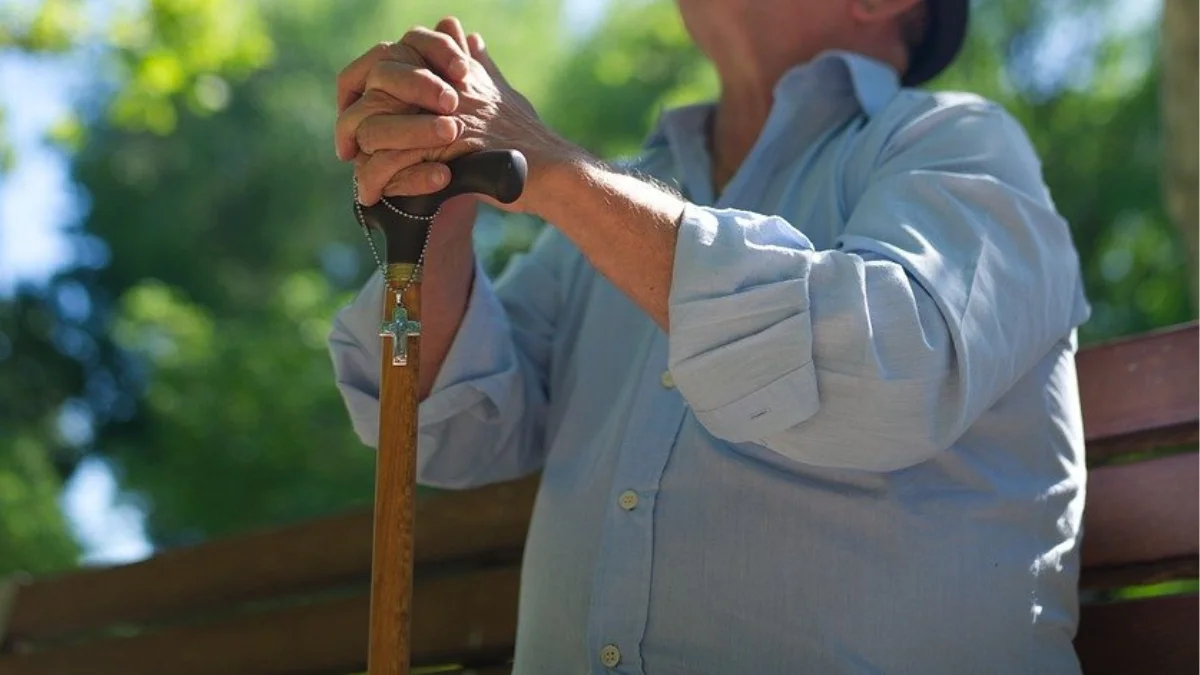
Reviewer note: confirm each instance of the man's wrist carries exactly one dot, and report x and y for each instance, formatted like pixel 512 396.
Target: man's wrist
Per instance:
pixel 554 177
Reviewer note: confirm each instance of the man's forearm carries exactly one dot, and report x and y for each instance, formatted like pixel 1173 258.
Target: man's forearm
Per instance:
pixel 625 226
pixel 449 273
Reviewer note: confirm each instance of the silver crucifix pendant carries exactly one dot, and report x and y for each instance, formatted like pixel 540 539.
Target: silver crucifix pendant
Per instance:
pixel 400 329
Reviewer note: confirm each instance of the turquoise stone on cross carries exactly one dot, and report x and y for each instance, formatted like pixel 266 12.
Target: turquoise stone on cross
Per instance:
pixel 400 329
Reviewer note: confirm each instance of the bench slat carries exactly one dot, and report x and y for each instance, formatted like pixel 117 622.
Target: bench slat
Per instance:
pixel 1139 574
pixel 1156 635
pixel 195 578
pixel 467 619
pixel 319 554
pixel 1142 512
pixel 1140 393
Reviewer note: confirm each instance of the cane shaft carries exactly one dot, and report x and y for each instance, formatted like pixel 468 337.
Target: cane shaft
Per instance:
pixel 389 650
pixel 405 223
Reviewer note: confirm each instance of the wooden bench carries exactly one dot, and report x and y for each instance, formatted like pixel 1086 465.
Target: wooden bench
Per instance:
pixel 294 600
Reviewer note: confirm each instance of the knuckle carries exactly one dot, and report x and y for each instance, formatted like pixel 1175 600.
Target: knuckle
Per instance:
pixel 388 73
pixel 377 76
pixel 345 78
pixel 376 100
pixel 367 184
pixel 365 135
pixel 448 48
pixel 344 124
pixel 379 99
pixel 393 83
pixel 374 175
pixel 413 34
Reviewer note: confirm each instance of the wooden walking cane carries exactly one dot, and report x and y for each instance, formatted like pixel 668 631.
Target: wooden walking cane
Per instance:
pixel 405 223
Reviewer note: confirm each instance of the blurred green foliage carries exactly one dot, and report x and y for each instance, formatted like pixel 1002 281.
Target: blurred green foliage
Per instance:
pixel 217 238
pixel 33 533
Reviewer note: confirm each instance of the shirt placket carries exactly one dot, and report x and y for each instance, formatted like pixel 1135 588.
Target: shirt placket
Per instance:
pixel 621 588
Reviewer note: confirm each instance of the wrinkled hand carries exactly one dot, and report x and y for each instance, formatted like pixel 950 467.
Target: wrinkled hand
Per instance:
pixel 407 108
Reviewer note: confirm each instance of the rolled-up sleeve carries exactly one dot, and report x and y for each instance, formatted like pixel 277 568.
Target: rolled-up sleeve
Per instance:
pixel 953 277
pixel 484 418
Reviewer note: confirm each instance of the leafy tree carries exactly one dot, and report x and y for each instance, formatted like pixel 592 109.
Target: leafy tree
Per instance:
pixel 34 536
pixel 218 239
pixel 1181 43
pixel 59 375
pixel 226 241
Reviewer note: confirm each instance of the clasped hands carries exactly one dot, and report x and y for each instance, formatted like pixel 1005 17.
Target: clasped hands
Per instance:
pixel 406 108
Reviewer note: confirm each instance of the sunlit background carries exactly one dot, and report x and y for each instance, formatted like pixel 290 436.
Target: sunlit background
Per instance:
pixel 38 199
pixel 174 233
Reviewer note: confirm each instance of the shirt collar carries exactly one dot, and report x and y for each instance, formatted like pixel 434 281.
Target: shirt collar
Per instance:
pixel 873 83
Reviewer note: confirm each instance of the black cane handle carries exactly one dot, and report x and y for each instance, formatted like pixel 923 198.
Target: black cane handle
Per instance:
pixel 499 174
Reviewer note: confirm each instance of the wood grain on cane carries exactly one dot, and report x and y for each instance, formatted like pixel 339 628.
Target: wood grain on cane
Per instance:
pixel 389 650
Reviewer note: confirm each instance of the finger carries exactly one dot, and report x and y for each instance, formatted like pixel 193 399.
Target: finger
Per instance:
pixel 476 46
pixel 395 88
pixel 345 128
pixel 421 179
pixel 406 132
pixel 453 27
pixel 478 50
pixel 413 85
pixel 439 51
pixel 351 81
pixel 418 47
pixel 403 172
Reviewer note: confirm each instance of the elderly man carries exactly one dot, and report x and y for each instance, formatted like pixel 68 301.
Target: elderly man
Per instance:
pixel 799 380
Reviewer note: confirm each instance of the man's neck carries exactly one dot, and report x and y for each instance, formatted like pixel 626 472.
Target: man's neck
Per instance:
pixel 738 121
pixel 749 74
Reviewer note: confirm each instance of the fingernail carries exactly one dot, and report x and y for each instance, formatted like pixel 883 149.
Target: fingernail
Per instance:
pixel 448 100
pixel 447 128
pixel 437 178
pixel 458 69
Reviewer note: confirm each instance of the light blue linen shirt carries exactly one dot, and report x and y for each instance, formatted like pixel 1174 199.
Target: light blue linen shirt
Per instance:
pixel 859 448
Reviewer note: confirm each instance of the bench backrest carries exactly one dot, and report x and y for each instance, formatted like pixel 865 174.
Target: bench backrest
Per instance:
pixel 1140 516
pixel 294 599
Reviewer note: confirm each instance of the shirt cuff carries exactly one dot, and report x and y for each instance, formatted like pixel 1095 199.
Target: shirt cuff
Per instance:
pixel 740 337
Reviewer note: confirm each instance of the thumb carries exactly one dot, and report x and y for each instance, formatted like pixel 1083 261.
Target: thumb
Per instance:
pixel 479 53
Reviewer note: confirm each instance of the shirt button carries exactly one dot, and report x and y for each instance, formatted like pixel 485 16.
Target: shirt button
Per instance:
pixel 628 500
pixel 668 382
pixel 610 656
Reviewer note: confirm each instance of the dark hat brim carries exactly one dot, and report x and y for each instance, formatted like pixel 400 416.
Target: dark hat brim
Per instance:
pixel 943 42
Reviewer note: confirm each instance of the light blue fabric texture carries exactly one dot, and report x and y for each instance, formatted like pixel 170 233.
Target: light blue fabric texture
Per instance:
pixel 859 448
